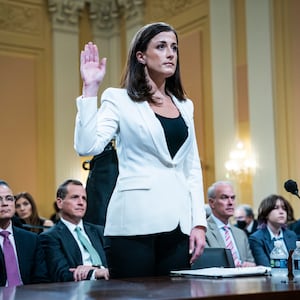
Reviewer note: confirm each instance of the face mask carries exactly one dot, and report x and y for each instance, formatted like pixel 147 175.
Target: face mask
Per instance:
pixel 241 224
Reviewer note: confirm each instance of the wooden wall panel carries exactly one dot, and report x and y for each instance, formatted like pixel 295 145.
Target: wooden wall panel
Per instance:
pixel 26 154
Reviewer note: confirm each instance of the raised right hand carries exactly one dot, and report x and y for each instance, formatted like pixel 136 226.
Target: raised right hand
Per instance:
pixel 92 70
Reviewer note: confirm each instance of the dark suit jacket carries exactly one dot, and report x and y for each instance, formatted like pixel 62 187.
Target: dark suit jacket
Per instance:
pixel 262 245
pixel 63 253
pixel 31 258
pixel 100 184
pixel 295 226
pixel 254 228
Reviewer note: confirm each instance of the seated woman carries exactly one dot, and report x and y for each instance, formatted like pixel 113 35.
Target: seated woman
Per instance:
pixel 26 211
pixel 272 218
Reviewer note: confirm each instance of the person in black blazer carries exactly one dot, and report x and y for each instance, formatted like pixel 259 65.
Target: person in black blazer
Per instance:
pixel 66 258
pixel 272 219
pixel 30 255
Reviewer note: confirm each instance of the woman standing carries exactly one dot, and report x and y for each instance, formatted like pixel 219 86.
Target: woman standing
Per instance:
pixel 156 218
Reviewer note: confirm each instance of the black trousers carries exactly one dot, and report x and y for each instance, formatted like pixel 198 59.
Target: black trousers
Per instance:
pixel 103 173
pixel 148 255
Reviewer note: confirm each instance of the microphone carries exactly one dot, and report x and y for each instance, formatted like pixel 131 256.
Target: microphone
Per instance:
pixel 291 187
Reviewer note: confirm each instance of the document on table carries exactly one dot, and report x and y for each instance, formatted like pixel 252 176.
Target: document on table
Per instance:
pixel 224 272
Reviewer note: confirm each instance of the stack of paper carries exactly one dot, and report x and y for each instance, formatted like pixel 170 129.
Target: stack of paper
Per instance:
pixel 224 272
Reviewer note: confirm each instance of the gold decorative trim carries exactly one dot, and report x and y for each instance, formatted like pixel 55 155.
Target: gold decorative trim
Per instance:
pixel 20 19
pixel 105 13
pixel 165 8
pixel 65 14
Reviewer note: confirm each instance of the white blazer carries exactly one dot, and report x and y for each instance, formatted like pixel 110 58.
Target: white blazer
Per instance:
pixel 154 193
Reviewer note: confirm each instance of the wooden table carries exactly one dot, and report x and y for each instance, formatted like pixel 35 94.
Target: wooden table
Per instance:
pixel 243 288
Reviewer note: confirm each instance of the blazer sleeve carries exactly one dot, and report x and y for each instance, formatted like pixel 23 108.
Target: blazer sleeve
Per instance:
pixel 95 128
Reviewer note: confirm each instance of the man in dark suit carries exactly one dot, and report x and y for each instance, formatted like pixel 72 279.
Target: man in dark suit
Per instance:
pixel 31 266
pixel 68 259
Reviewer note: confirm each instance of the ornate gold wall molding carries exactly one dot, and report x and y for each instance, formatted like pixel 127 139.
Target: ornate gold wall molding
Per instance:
pixel 105 14
pixel 166 8
pixel 26 78
pixel 65 14
pixel 20 18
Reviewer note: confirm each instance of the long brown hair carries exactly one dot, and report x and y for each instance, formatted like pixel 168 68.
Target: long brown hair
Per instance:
pixel 134 77
pixel 268 204
pixel 34 219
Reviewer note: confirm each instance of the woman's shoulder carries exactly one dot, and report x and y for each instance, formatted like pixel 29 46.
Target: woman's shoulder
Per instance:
pixel 114 95
pixel 112 91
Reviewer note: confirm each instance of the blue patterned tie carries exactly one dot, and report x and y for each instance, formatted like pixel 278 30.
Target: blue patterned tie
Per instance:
pixel 96 260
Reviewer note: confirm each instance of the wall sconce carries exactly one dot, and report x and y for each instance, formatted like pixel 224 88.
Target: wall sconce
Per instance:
pixel 241 162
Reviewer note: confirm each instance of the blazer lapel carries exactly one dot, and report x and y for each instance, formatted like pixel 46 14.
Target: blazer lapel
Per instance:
pixel 72 249
pixel 289 240
pixel 269 243
pixel 214 231
pixel 187 119
pixel 154 126
pixel 2 269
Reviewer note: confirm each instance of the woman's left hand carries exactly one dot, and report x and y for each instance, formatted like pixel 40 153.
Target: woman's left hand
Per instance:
pixel 197 242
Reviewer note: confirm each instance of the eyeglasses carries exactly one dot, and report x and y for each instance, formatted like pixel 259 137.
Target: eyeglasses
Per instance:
pixel 8 198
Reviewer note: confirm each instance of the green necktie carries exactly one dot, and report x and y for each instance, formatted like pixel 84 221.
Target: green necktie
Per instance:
pixel 96 260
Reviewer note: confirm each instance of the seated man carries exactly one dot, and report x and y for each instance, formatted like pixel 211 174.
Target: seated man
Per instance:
pixel 220 233
pixel 244 217
pixel 21 255
pixel 74 249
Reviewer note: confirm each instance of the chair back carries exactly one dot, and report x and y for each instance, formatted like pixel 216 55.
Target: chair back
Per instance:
pixel 214 257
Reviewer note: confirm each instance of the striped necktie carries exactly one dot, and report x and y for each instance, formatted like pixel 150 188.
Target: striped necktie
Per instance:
pixel 95 258
pixel 229 245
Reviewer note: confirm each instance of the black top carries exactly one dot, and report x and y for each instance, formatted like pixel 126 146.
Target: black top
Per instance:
pixel 176 132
